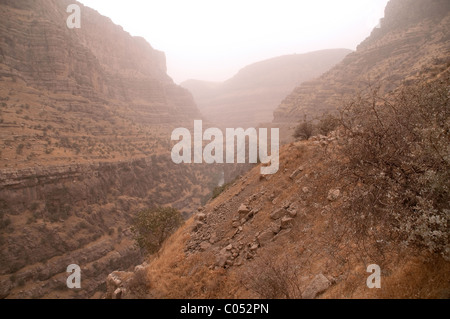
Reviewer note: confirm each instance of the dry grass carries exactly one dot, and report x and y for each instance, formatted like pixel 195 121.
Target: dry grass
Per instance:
pixel 173 275
pixel 319 242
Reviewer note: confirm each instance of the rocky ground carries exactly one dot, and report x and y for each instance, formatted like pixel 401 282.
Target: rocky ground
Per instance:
pixel 284 236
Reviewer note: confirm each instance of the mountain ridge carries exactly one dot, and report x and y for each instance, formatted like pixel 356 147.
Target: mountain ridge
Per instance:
pixel 249 97
pixel 412 35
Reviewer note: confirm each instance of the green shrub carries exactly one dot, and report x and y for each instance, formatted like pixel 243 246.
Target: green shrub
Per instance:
pixel 151 227
pixel 219 190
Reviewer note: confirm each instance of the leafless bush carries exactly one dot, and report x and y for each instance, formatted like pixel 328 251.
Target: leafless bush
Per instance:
pixel 304 130
pixel 321 125
pixel 397 150
pixel 274 278
pixel 139 284
pixel 327 123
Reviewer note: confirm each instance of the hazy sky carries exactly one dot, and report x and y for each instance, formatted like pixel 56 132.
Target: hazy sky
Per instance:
pixel 212 39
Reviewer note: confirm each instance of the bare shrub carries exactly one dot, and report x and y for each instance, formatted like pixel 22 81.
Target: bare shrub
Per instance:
pixel 273 278
pixel 304 130
pixel 139 284
pixel 397 152
pixel 327 123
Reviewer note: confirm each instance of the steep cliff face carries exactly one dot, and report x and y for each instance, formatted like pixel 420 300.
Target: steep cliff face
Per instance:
pixel 251 96
pixel 85 122
pixel 99 61
pixel 413 38
pixel 55 216
pixel 95 88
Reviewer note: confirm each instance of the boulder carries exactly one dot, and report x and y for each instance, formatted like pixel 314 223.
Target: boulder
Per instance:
pixel 286 222
pixel 278 214
pixel 317 286
pixel 243 210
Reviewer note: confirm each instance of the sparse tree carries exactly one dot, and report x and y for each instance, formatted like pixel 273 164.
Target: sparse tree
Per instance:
pixel 153 226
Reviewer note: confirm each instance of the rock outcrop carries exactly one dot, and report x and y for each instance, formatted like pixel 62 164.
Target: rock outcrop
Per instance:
pixel 99 61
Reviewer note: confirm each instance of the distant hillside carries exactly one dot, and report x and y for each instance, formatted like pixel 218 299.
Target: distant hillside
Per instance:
pixel 413 39
pixel 250 97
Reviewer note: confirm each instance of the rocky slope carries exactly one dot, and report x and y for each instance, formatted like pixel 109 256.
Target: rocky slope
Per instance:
pixel 413 40
pixel 232 247
pixel 85 122
pixel 81 214
pixel 250 97
pixel 291 234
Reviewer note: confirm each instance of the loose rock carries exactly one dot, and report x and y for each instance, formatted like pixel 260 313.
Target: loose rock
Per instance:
pixel 317 286
pixel 296 172
pixel 333 195
pixel 286 222
pixel 278 213
pixel 243 210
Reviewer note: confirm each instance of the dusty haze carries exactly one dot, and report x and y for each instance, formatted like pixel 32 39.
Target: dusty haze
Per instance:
pixel 212 41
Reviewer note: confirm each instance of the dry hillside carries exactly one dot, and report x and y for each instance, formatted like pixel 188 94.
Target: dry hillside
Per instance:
pixel 293 235
pixel 374 191
pixel 85 122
